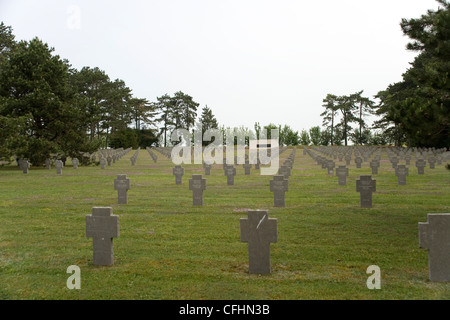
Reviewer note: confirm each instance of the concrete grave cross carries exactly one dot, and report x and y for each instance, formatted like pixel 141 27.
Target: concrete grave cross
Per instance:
pixel 178 172
pixel 59 165
pixel 122 185
pixel 348 158
pixel 365 186
pixel 75 163
pixel 279 185
pixel 247 167
pixel 102 226
pixel 24 165
pixel 374 164
pixel 394 162
pixel 358 161
pixel 207 169
pixel 230 172
pixel 434 236
pixel 102 163
pixel 284 171
pixel 420 164
pixel 401 171
pixel 48 164
pixel 432 161
pixel 259 231
pixel 197 184
pixel 330 166
pixel 342 174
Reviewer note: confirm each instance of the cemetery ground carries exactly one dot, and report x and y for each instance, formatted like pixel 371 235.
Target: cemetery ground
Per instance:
pixel 169 249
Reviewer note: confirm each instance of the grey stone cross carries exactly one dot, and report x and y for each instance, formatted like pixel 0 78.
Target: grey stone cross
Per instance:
pixel 102 226
pixel 122 185
pixel 197 184
pixel 259 231
pixel 279 185
pixel 178 172
pixel 434 236
pixel 365 186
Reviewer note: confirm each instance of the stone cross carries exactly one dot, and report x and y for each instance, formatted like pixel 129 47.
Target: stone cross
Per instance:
pixel 48 164
pixel 230 172
pixel 432 161
pixel 279 185
pixel 348 158
pixel 259 231
pixel 247 167
pixel 178 172
pixel 358 162
pixel 408 159
pixel 102 163
pixel 394 162
pixel 207 169
pixel 102 226
pixel 330 166
pixel 197 184
pixel 420 164
pixel 24 165
pixel 75 163
pixel 285 171
pixel 401 171
pixel 342 174
pixel 434 236
pixel 122 185
pixel 109 159
pixel 365 186
pixel 59 165
pixel 374 164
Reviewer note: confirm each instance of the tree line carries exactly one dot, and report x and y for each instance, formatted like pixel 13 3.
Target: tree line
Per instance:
pixel 48 107
pixel 413 112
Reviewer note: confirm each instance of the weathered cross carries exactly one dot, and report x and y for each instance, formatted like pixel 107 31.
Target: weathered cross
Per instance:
pixel 342 173
pixel 434 236
pixel 420 164
pixel 24 165
pixel 207 169
pixel 247 167
pixel 374 164
pixel 230 172
pixel 197 184
pixel 279 185
pixel 75 163
pixel 365 186
pixel 59 165
pixel 259 231
pixel 358 161
pixel 102 226
pixel 102 163
pixel 178 172
pixel 122 185
pixel 401 171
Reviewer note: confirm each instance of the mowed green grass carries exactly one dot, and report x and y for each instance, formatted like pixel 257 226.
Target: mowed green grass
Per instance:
pixel 168 249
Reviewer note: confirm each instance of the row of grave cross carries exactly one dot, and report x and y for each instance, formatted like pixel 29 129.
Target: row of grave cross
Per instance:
pixel 259 231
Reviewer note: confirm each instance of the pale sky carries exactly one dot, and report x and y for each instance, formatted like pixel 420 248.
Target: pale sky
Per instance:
pixel 248 60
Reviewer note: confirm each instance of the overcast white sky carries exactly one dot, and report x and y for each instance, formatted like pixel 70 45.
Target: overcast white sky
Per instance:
pixel 248 60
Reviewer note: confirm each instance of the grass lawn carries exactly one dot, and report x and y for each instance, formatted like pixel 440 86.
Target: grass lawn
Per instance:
pixel 169 249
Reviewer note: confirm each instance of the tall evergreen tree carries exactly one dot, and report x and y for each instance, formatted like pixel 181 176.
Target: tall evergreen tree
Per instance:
pixel 329 115
pixel 418 107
